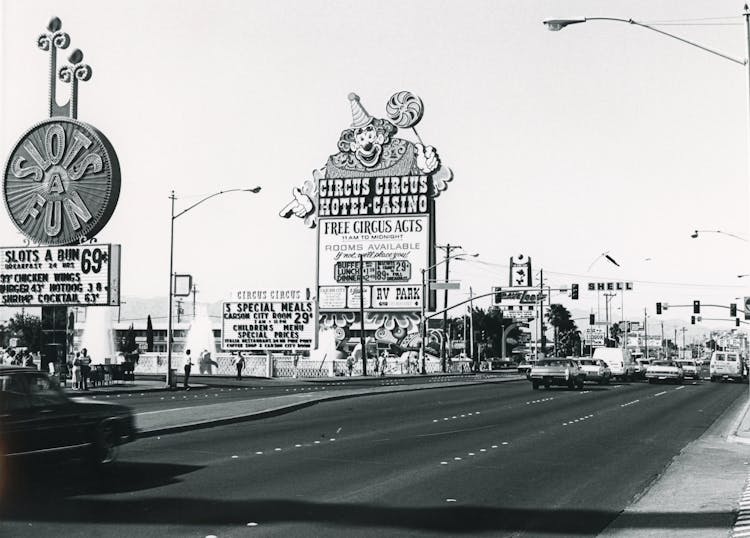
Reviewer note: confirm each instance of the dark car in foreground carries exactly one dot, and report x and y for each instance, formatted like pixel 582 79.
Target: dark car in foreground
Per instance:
pixel 38 419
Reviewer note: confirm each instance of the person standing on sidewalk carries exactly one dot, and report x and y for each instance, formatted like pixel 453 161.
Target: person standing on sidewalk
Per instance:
pixel 188 367
pixel 85 369
pixel 240 364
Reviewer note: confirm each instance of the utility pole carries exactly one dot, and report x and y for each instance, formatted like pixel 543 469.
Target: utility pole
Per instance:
pixel 471 323
pixel 684 330
pixel 675 339
pixel 542 338
pixel 645 333
pixel 447 248
pixel 607 298
pixel 663 342
pixel 362 314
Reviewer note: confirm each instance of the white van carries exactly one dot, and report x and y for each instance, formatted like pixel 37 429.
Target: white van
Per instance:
pixel 726 365
pixel 619 360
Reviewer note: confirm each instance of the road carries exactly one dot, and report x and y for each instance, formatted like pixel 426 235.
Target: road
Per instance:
pixel 493 459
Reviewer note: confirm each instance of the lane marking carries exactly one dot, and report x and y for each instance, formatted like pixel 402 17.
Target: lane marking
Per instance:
pixel 659 393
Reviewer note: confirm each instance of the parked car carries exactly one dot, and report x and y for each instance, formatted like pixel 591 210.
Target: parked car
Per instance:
pixel 619 360
pixel 595 370
pixel 664 370
pixel 726 365
pixel 38 419
pixel 690 368
pixel 556 371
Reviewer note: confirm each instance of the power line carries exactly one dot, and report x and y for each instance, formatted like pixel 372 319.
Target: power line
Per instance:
pixel 593 277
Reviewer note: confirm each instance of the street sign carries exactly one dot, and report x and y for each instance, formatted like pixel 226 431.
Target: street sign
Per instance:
pixel 594 336
pixel 445 285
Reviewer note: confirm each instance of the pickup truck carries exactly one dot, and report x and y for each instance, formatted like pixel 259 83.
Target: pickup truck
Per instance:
pixel 556 371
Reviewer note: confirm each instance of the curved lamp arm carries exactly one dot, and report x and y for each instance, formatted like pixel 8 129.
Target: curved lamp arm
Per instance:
pixel 694 235
pixel 556 25
pixel 199 202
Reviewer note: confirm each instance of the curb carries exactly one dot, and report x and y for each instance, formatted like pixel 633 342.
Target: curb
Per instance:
pixel 284 409
pixel 89 394
pixel 732 437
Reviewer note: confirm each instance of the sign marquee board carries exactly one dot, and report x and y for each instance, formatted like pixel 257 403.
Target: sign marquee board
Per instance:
pixel 594 336
pixel 85 275
pixel 268 326
pixel 395 249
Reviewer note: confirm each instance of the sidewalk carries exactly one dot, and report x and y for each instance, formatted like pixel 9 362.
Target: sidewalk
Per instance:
pixel 699 493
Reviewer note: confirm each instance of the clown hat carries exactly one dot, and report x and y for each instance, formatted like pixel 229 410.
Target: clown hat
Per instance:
pixel 360 117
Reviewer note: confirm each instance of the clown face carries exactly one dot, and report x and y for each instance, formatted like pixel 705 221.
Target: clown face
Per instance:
pixel 368 144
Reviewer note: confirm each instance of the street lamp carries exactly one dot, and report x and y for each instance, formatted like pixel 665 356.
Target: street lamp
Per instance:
pixel 694 235
pixel 174 216
pixel 423 331
pixel 558 24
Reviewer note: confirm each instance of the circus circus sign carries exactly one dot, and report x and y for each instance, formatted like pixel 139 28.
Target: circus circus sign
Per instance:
pixel 372 205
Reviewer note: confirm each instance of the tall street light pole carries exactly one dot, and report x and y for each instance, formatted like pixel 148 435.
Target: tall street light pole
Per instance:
pixel 423 325
pixel 174 216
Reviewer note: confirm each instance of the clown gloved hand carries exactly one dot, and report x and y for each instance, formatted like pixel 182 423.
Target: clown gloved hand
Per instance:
pixel 300 206
pixel 427 158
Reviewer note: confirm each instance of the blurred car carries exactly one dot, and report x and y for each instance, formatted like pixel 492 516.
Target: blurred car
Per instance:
pixel 38 419
pixel 690 368
pixel 641 367
pixel 556 371
pixel 664 370
pixel 525 367
pixel 595 370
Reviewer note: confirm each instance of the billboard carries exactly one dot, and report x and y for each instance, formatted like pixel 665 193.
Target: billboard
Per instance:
pixel 85 275
pixel 394 250
pixel 268 326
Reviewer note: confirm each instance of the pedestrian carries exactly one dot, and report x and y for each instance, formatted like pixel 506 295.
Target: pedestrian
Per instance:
pixel 350 364
pixel 77 371
pixel 85 369
pixel 188 367
pixel 383 363
pixel 240 364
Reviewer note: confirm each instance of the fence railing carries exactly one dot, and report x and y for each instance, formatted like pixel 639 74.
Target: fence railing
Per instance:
pixel 284 366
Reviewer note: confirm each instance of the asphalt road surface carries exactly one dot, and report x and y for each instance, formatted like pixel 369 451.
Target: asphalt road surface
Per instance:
pixel 495 460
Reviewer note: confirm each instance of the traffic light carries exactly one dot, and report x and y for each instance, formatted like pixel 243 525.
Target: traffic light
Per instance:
pixel 498 295
pixel 574 291
pixel 733 310
pixel 696 307
pixel 736 322
pixel 591 319
pixel 692 320
pixel 658 308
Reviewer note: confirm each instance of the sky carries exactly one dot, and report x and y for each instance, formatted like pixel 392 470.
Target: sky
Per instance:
pixel 603 137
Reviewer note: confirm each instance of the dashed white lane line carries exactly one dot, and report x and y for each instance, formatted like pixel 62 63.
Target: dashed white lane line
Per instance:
pixel 473 454
pixel 576 420
pixel 539 401
pixel 629 403
pixel 660 393
pixel 456 417
pixel 679 388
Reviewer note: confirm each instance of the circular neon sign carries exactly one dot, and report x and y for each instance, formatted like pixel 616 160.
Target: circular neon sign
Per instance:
pixel 62 182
